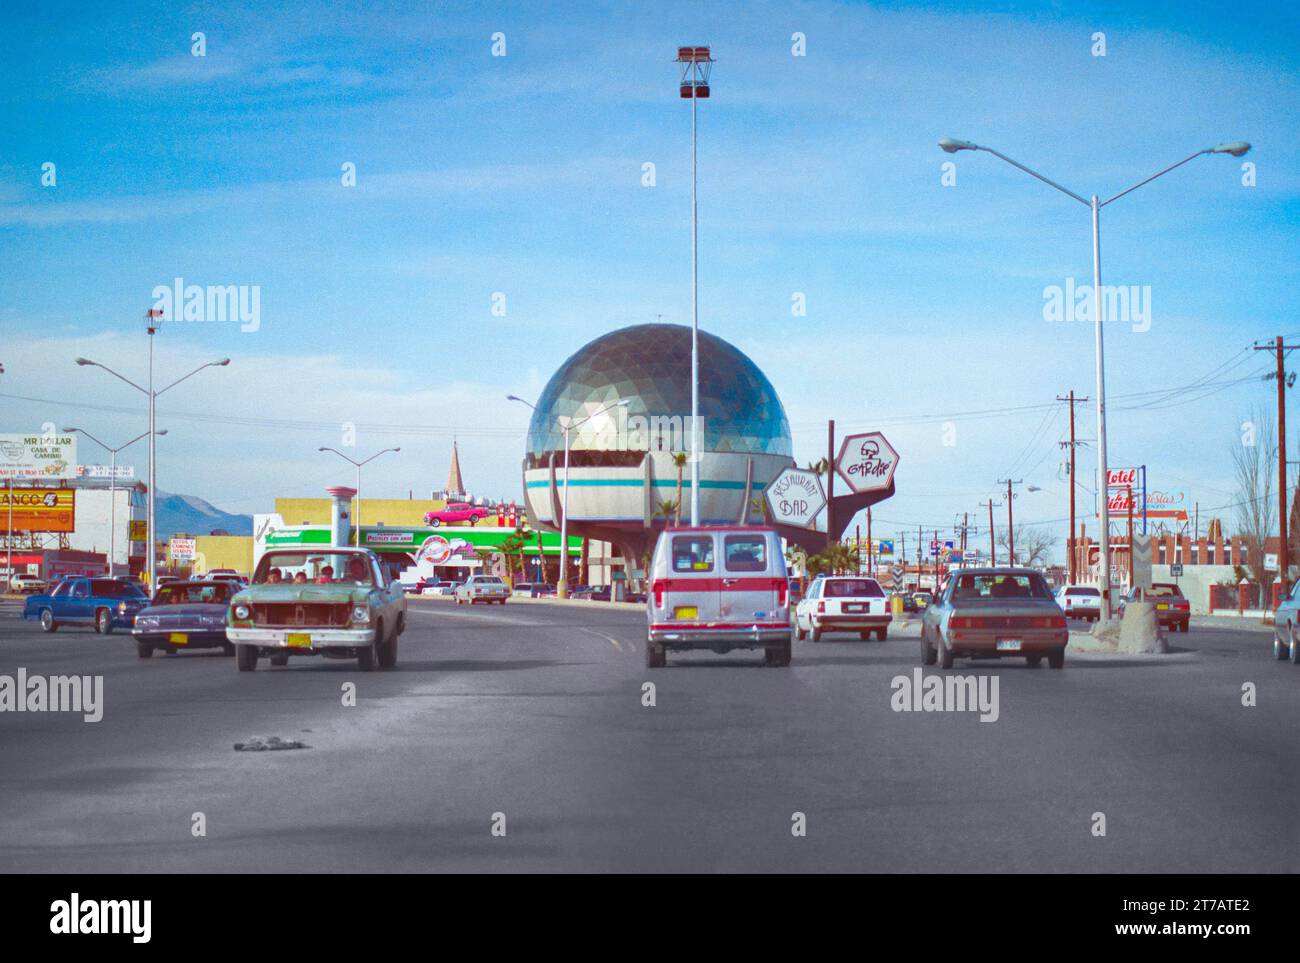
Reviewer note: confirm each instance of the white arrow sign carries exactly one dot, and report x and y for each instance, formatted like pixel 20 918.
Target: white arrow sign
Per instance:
pixel 867 462
pixel 795 497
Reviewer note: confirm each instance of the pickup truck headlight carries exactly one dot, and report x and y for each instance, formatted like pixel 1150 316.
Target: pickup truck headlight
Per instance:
pixel 242 612
pixel 360 614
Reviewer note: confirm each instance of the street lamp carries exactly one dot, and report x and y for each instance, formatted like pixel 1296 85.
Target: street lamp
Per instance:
pixel 152 395
pixel 356 511
pixel 697 65
pixel 951 145
pixel 568 424
pixel 112 494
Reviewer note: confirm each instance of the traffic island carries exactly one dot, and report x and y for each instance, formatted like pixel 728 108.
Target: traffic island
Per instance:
pixel 1138 632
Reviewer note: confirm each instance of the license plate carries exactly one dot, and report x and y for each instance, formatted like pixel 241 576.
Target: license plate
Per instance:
pixel 178 638
pixel 686 612
pixel 854 608
pixel 299 640
pixel 1162 607
pixel 1008 645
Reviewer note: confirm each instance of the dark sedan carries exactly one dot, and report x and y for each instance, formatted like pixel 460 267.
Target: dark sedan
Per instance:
pixel 185 615
pixel 992 613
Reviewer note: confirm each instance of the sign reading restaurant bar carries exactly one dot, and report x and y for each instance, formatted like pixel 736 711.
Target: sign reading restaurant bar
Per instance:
pixel 39 509
pixel 42 456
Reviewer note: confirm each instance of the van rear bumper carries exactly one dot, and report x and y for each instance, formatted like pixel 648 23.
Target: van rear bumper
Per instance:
pixel 732 635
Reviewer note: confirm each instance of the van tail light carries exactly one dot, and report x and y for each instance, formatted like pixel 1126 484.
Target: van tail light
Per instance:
pixel 821 608
pixel 658 589
pixel 782 593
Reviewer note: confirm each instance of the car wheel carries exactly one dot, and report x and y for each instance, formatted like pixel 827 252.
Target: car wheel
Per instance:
pixel 816 634
pixel 47 621
pixel 1279 647
pixel 103 622
pixel 143 650
pixel 280 658
pixel 928 655
pixel 368 657
pixel 1186 626
pixel 388 652
pixel 800 634
pixel 1056 658
pixel 1294 646
pixel 1034 661
pixel 864 634
pixel 882 634
pixel 246 657
pixel 778 656
pixel 945 655
pixel 656 657
pixel 435 522
pixel 401 623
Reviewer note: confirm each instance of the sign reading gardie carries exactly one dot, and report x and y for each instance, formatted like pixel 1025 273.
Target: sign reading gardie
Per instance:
pixel 795 497
pixel 867 462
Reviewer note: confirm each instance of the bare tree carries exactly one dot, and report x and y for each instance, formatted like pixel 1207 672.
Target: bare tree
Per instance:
pixel 1033 544
pixel 1252 467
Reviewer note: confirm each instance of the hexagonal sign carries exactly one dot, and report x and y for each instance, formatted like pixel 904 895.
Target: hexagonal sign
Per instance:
pixel 795 497
pixel 867 462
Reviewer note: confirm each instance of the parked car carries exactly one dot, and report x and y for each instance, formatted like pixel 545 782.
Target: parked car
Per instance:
pixel 27 584
pixel 456 512
pixel 333 602
pixel 1286 627
pixel 226 575
pixel 184 615
pixel 841 603
pixel 1172 609
pixel 482 588
pixel 105 603
pixel 528 590
pixel 1080 601
pixel 995 613
pixel 718 588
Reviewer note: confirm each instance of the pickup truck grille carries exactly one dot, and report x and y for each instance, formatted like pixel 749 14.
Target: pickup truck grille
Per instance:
pixel 294 614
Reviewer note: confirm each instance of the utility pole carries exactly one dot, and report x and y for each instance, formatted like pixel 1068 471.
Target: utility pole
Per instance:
pixel 1072 443
pixel 830 483
pixel 871 553
pixel 993 545
pixel 1283 560
pixel 1011 530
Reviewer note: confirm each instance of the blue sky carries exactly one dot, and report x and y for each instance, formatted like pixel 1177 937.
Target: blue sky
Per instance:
pixel 521 174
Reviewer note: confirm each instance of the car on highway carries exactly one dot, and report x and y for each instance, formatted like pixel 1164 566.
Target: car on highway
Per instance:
pixel 842 603
pixel 25 583
pixel 989 613
pixel 1173 610
pixel 185 615
pixel 1080 601
pixel 1286 627
pixel 104 603
pixel 482 588
pixel 718 588
pixel 456 512
pixel 333 602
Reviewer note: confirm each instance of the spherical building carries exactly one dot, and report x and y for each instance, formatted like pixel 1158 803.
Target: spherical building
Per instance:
pixel 621 459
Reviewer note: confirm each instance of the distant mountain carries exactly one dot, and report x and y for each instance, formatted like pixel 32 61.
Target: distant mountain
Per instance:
pixel 192 515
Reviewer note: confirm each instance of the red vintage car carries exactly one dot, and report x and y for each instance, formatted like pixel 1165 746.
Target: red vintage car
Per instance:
pixel 456 512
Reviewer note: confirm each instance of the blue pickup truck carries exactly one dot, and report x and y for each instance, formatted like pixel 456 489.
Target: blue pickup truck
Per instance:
pixel 104 603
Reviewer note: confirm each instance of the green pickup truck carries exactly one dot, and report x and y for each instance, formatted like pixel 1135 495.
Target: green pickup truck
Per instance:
pixel 335 602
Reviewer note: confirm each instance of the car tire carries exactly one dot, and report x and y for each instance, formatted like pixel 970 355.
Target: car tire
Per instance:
pixel 882 635
pixel 945 655
pixel 1034 661
pixel 779 656
pixel 388 652
pixel 47 621
pixel 435 522
pixel 1056 658
pixel 144 650
pixel 246 657
pixel 1294 647
pixel 816 634
pixel 864 635
pixel 799 633
pixel 1280 649
pixel 1186 626
pixel 280 658
pixel 928 655
pixel 401 624
pixel 368 657
pixel 103 622
pixel 656 657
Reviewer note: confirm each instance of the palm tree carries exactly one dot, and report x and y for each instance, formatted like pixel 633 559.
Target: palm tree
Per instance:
pixel 819 467
pixel 680 459
pixel 667 509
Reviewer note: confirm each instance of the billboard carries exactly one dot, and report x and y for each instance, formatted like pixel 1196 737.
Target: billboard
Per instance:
pixel 38 456
pixel 39 509
pixel 182 549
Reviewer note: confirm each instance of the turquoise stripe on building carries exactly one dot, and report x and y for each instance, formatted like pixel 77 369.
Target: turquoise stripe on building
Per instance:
pixel 637 483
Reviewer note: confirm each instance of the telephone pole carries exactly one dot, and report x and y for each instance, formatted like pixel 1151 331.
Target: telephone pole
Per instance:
pixel 1011 530
pixel 1283 561
pixel 993 546
pixel 1072 550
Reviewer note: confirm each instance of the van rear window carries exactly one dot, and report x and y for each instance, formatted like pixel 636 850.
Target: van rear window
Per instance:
pixel 692 553
pixel 745 553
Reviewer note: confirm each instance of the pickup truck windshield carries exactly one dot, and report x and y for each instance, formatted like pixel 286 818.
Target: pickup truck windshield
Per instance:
pixel 319 568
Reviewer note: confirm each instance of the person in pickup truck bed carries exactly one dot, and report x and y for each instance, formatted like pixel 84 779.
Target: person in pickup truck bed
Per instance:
pixel 300 578
pixel 326 575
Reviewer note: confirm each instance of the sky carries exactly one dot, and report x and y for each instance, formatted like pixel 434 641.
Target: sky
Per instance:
pixel 518 180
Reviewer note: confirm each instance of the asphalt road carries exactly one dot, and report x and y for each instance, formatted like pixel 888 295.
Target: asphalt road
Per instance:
pixel 535 711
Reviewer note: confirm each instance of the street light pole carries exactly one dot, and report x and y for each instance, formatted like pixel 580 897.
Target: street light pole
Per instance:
pixel 952 145
pixel 112 494
pixel 154 320
pixel 356 505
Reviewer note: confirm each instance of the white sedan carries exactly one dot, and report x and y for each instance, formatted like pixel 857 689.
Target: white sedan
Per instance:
pixel 482 588
pixel 843 603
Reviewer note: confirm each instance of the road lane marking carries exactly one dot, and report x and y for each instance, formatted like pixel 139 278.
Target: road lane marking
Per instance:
pixel 610 639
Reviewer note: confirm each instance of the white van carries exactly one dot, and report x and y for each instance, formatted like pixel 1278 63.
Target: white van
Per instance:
pixel 718 588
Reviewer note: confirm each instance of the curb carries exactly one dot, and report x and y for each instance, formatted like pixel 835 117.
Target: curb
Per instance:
pixel 524 600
